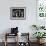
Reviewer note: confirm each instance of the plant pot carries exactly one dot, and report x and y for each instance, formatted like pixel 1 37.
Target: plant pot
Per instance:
pixel 40 41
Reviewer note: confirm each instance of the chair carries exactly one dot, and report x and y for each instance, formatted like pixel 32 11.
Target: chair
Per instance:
pixel 7 35
pixel 14 32
pixel 26 41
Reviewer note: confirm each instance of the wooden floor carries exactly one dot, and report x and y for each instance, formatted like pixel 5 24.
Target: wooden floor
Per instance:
pixel 13 44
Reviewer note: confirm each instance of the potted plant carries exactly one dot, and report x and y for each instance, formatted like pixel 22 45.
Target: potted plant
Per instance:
pixel 39 35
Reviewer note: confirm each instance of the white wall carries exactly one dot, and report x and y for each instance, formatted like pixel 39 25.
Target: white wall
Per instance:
pixel 24 25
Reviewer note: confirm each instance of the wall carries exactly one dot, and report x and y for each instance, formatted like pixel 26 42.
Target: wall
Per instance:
pixel 24 25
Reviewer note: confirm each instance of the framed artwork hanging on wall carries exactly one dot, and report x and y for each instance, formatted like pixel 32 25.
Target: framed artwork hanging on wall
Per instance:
pixel 17 13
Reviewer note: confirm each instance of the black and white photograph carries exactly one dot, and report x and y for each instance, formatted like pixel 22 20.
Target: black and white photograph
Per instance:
pixel 17 13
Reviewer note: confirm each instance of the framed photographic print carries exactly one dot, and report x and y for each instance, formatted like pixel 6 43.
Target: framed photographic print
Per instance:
pixel 17 13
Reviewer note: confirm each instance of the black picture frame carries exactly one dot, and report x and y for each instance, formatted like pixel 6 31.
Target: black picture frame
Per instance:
pixel 17 13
